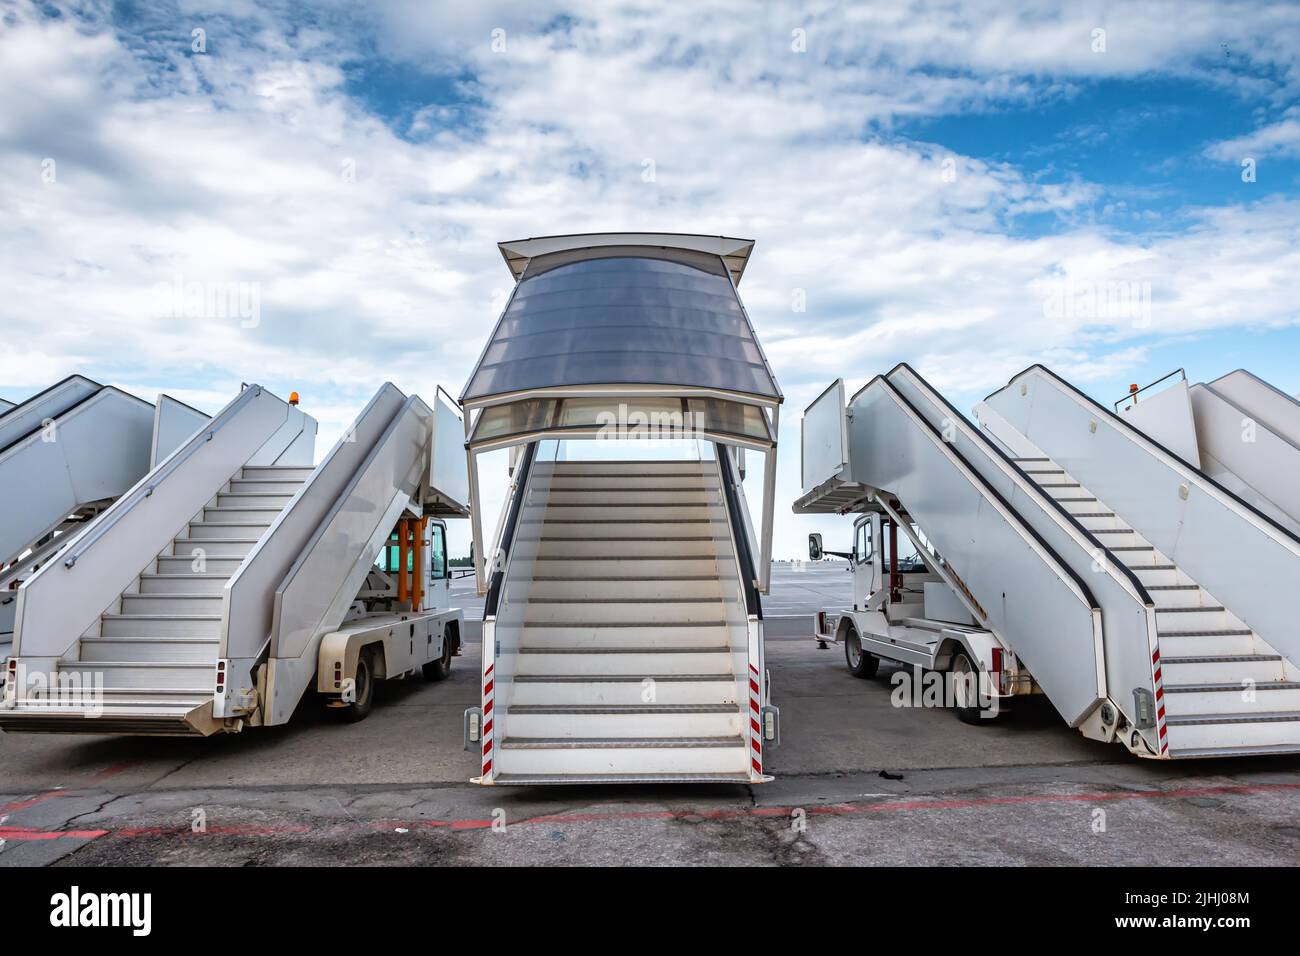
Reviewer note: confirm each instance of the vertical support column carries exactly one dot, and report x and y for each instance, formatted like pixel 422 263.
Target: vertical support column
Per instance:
pixel 417 573
pixel 895 577
pixel 403 548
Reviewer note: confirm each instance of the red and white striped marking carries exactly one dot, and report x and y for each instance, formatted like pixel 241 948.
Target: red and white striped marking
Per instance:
pixel 1161 730
pixel 755 723
pixel 486 734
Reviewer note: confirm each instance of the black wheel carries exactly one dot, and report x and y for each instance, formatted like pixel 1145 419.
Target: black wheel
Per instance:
pixel 441 668
pixel 966 692
pixel 861 664
pixel 363 689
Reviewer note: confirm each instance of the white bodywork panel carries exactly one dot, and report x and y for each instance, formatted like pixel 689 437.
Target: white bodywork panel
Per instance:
pixel 825 439
pixel 173 424
pixel 91 450
pixel 1167 417
pixel 448 472
pixel 1250 436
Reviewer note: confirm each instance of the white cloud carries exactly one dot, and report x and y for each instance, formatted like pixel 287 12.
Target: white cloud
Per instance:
pixel 1275 139
pixel 234 167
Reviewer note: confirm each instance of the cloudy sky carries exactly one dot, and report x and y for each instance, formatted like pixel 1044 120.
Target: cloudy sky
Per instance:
pixel 953 184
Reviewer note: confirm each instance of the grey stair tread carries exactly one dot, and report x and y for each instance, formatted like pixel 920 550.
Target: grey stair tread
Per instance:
pixel 1233 686
pixel 624 625
pixel 665 521
pixel 1190 610
pixel 189 540
pixel 1218 632
pixel 552 779
pixel 1111 530
pixel 620 678
pixel 141 665
pixel 161 617
pixel 627 488
pixel 549 537
pixel 615 710
pixel 1221 659
pixel 619 504
pixel 1234 751
pixel 624 650
pixel 1161 567
pixel 617 743
pixel 225 524
pixel 628 578
pixel 1262 717
pixel 150 639
pixel 179 595
pixel 177 575
pixel 624 557
pixel 1173 587
pixel 631 600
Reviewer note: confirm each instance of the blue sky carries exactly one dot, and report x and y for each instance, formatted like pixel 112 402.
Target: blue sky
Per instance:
pixel 935 180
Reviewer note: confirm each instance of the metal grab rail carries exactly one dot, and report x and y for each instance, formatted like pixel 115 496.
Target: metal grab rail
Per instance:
pixel 744 557
pixel 508 532
pixel 124 505
pixel 1138 391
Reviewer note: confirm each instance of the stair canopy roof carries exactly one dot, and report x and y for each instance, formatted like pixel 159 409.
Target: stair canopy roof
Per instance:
pixel 648 321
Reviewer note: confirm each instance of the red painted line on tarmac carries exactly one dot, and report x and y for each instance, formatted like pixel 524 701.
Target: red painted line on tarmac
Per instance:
pixel 114 769
pixel 30 801
pixel 26 834
pixel 838 809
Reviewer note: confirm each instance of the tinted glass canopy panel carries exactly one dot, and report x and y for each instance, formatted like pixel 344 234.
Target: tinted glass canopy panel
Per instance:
pixel 622 320
pixel 623 418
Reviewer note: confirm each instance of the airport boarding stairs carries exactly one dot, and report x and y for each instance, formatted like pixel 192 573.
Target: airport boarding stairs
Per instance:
pixel 1218 568
pixel 621 627
pixel 197 602
pixel 66 453
pixel 1222 685
pixel 1149 603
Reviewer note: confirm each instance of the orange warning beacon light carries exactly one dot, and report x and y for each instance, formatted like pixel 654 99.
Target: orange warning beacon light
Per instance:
pixel 293 398
pixel 1132 390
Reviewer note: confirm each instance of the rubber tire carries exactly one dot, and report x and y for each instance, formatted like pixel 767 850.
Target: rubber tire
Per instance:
pixel 359 709
pixel 974 714
pixel 441 668
pixel 867 664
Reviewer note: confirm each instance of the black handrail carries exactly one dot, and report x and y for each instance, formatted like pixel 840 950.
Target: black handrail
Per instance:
pixel 508 530
pixel 987 488
pixel 1134 393
pixel 991 448
pixel 744 557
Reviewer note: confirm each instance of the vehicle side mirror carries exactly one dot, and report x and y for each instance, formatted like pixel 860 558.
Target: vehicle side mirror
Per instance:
pixel 814 547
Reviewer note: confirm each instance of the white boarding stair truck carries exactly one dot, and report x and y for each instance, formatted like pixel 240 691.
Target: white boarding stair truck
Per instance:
pixel 963 564
pixel 236 575
pixel 622 629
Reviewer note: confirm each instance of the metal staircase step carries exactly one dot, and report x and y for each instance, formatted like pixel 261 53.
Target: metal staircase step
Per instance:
pixel 160 625
pixel 180 585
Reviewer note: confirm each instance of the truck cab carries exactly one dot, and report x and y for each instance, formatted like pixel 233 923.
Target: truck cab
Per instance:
pixel 910 608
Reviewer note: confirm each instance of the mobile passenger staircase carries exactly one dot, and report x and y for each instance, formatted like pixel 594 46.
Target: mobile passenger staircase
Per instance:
pixel 622 635
pixel 199 600
pixel 1112 569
